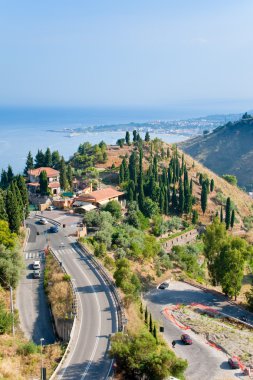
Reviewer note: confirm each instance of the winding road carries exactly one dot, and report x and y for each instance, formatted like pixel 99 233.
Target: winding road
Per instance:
pixel 97 317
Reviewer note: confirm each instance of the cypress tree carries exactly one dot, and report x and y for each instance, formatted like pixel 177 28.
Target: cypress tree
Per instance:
pixel 168 152
pixel 155 168
pixel 48 158
pixel 174 200
pixel 29 163
pixel 43 183
pixel 191 186
pixel 155 333
pixel 166 203
pixel 63 175
pixel 228 213
pixel 69 176
pixel 125 169
pixel 232 222
pixel 164 177
pixel 127 138
pixel 121 174
pixel 212 185
pixel 195 217
pixel 181 199
pixel 150 323
pixel 200 179
pixel 168 199
pixel 146 316
pixel 141 309
pixel 3 213
pixel 12 211
pixel 221 214
pixel 4 180
pixel 131 191
pixel 10 174
pixel 133 167
pixel 162 201
pixel 134 136
pixel 147 137
pixel 21 207
pixel 204 198
pixel 140 182
pixel 24 194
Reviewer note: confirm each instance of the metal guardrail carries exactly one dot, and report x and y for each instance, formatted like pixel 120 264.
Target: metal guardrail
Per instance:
pixel 39 216
pixel 109 282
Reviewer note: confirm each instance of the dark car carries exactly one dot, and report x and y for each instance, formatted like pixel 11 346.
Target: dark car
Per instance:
pixel 163 285
pixel 53 229
pixel 234 363
pixel 36 273
pixel 243 318
pixel 186 339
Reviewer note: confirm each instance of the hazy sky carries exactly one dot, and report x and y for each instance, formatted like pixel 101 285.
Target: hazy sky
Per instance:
pixel 133 52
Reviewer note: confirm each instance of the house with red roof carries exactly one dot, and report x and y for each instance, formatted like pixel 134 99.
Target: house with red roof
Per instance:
pixel 100 197
pixel 53 177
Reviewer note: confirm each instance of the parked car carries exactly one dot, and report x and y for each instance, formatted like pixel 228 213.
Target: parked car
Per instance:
pixel 36 273
pixel 243 318
pixel 186 339
pixel 43 221
pixel 54 229
pixel 51 208
pixel 163 285
pixel 36 265
pixel 234 362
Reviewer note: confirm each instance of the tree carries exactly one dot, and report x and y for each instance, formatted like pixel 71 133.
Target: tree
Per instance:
pixel 56 160
pixel 200 179
pixel 134 136
pixel 48 158
pixel 133 167
pixel 63 175
pixel 150 208
pixel 249 297
pixel 43 183
pixel 232 222
pixel 69 175
pixel 39 159
pixel 212 185
pixel 4 179
pixel 10 174
pixel 120 142
pixel 204 197
pixel 174 200
pixel 3 214
pixel 195 217
pixel 146 316
pixel 230 178
pixel 127 138
pixel 214 238
pixel 29 163
pixel 147 137
pixel 150 323
pixel 12 210
pixel 154 333
pixel 114 208
pixel 228 213
pixel 181 199
pixel 24 194
pixel 231 264
pixel 221 214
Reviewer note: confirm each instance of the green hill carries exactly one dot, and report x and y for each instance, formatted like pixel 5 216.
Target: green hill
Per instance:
pixel 227 150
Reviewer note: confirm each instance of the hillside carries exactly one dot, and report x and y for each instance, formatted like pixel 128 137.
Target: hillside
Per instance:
pixel 227 150
pixel 223 189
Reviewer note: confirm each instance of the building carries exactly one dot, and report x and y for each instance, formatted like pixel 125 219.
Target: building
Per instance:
pixel 53 177
pixel 100 197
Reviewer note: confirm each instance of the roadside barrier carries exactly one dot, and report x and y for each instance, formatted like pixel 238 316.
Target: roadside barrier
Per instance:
pixel 108 280
pixel 39 216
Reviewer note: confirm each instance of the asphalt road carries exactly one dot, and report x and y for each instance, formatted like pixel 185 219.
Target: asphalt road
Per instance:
pixel 205 362
pixel 88 356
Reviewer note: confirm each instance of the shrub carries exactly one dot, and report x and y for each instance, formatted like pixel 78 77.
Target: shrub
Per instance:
pixel 27 349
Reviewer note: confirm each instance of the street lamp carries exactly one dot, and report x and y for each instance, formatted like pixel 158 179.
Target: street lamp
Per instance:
pixel 11 304
pixel 41 356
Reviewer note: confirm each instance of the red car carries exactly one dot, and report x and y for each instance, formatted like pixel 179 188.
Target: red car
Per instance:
pixel 234 363
pixel 186 339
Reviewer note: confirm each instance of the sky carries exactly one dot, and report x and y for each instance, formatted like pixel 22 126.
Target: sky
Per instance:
pixel 140 53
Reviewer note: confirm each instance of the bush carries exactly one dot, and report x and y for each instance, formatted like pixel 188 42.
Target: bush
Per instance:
pixel 66 277
pixel 230 179
pixel 27 349
pixel 109 263
pixel 5 320
pixel 114 208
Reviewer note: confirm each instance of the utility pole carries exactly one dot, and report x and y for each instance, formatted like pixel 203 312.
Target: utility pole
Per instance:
pixel 41 357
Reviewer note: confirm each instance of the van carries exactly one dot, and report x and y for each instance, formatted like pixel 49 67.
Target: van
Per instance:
pixel 36 265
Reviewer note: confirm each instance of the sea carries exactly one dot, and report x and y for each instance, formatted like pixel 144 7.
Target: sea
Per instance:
pixel 29 129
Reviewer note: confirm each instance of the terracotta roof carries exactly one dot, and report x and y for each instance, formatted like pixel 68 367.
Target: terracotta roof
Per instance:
pixel 50 172
pixel 53 185
pixel 100 195
pixel 33 184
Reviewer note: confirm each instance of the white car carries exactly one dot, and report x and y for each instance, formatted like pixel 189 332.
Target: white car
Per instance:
pixel 43 221
pixel 51 208
pixel 36 265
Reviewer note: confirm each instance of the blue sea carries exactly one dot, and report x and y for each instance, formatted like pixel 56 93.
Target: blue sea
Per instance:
pixel 24 129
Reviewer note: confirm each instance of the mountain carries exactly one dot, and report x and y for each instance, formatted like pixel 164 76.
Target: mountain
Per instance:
pixel 227 150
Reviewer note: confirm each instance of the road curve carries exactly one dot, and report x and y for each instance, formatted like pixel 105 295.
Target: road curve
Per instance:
pixel 97 316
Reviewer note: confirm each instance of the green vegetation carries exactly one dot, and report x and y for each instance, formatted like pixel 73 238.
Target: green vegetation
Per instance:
pixel 230 179
pixel 226 257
